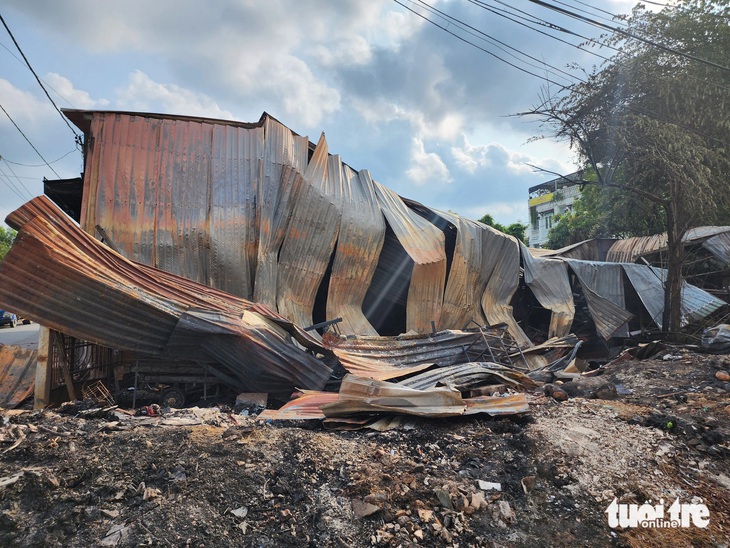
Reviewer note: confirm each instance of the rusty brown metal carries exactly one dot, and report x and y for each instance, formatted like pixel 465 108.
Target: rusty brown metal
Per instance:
pixel 17 374
pixel 389 357
pixel 60 276
pixel 424 244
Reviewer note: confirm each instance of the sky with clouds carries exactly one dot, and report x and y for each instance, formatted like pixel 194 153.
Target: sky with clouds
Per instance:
pixel 425 112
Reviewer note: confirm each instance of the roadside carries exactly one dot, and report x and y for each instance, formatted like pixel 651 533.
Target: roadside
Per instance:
pixel 22 335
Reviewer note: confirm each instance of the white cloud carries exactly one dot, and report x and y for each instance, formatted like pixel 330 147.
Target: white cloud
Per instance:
pixel 142 93
pixel 426 166
pixel 76 98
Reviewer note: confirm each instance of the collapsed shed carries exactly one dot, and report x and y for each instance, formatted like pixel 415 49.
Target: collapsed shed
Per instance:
pixel 225 239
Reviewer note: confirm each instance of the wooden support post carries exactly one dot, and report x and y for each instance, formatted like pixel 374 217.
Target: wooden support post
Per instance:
pixel 42 395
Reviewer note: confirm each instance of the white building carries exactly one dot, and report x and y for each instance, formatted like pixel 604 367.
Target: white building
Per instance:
pixel 549 199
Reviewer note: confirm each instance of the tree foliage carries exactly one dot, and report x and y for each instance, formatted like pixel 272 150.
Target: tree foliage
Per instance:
pixel 654 123
pixel 515 229
pixel 6 240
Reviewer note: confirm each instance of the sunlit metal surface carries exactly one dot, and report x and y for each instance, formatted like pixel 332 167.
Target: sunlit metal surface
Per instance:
pixel 60 276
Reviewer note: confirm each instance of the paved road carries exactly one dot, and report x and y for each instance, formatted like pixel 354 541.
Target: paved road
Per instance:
pixel 22 335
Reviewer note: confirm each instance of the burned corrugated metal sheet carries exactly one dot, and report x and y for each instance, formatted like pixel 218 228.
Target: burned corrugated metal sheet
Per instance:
pixel 285 159
pixel 310 237
pixel 649 284
pixel 719 246
pixel 548 280
pixel 361 238
pixel 58 275
pixel 594 249
pixel 603 288
pixel 630 249
pixel 390 357
pixel 255 210
pixel 464 376
pixel 424 244
pixel 468 276
pixel 17 374
pixel 502 261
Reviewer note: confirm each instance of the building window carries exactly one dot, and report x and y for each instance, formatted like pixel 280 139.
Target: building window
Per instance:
pixel 548 221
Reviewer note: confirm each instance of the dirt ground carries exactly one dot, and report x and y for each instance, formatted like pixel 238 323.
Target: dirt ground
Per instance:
pixel 211 477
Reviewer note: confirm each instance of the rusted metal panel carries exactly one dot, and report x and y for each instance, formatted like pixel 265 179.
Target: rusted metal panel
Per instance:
pixel 424 244
pixel 649 284
pixel 362 395
pixel 285 158
pixel 630 249
pixel 719 246
pixel 17 374
pixel 361 238
pixel 306 406
pixel 467 278
pixel 465 376
pixel 61 276
pixel 390 357
pixel 502 261
pixel 548 280
pixel 603 288
pixel 310 236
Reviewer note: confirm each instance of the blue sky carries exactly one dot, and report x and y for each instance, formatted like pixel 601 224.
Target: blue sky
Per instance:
pixel 425 112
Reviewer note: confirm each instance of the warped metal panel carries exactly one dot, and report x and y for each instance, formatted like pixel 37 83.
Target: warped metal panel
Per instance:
pixel 467 277
pixel 17 374
pixel 628 250
pixel 361 395
pixel 649 284
pixel 501 258
pixel 179 195
pixel 719 246
pixel 424 243
pixel 549 282
pixel 465 376
pixel 603 287
pixel 60 276
pixel 285 159
pixel 234 216
pixel 310 236
pixel 361 238
pixel 390 357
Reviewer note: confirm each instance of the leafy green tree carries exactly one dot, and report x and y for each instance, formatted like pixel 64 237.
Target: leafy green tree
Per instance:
pixel 605 213
pixel 7 235
pixel 652 123
pixel 516 229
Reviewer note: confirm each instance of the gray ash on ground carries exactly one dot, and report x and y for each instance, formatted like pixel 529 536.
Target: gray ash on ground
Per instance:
pixel 209 477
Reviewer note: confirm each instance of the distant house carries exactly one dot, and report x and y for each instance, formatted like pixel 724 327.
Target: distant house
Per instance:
pixel 549 199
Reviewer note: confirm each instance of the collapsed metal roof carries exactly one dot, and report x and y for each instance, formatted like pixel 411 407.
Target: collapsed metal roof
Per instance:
pixel 211 216
pixel 714 238
pixel 61 277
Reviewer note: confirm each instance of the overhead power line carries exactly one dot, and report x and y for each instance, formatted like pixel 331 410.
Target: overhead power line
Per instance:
pixel 29 142
pixel 77 136
pixel 629 34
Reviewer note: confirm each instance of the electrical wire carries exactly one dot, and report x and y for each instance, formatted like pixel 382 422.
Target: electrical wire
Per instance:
pixel 629 34
pixel 54 90
pixel 493 40
pixel 21 183
pixel 38 165
pixel 29 142
pixel 77 136
pixel 561 86
pixel 5 179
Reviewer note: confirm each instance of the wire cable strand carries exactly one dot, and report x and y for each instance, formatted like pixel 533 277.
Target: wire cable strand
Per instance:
pixel 29 142
pixel 77 136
